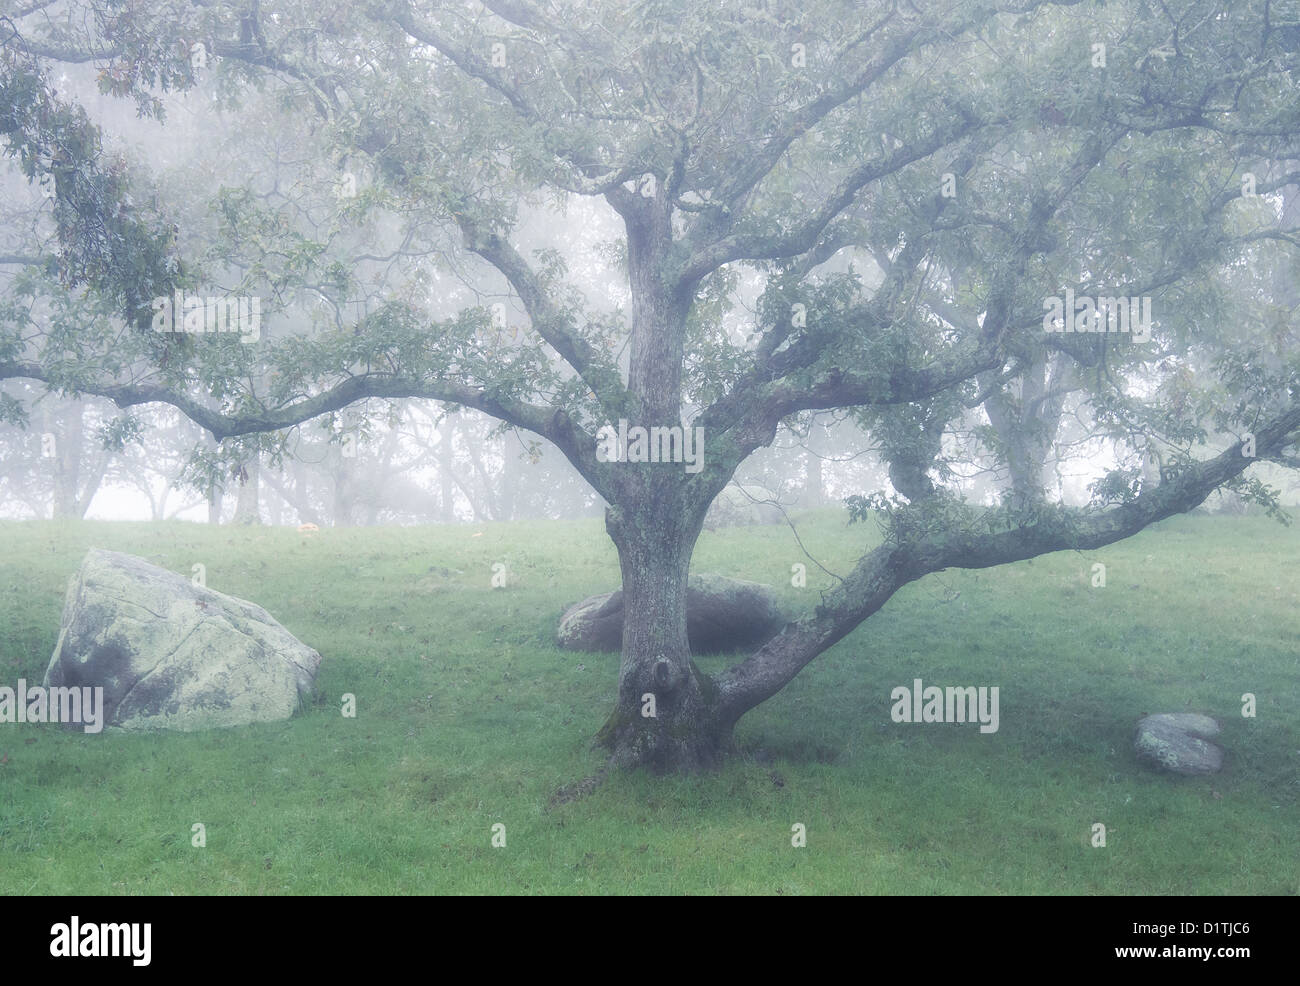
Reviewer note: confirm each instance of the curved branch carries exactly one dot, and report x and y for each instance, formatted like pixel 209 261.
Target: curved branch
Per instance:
pixel 884 571
pixel 555 425
pixel 548 321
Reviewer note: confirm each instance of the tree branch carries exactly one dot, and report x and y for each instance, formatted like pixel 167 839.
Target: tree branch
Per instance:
pixel 554 425
pixel 804 237
pixel 548 321
pixel 882 572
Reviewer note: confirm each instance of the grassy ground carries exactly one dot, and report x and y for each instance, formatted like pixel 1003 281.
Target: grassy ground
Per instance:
pixel 467 715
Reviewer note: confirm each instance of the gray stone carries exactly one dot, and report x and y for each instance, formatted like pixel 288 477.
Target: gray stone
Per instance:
pixel 173 655
pixel 594 624
pixel 722 614
pixel 1178 742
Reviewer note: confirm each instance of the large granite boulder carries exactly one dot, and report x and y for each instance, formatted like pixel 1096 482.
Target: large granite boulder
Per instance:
pixel 722 614
pixel 173 655
pixel 1178 742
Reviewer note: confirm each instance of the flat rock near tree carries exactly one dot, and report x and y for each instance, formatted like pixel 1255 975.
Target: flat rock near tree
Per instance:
pixel 1179 742
pixel 173 655
pixel 722 614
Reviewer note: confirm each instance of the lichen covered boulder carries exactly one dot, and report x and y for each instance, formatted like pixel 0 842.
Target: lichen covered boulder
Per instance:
pixel 170 654
pixel 1178 742
pixel 722 614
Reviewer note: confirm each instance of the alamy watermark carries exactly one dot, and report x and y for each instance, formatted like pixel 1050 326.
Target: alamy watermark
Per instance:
pixel 77 706
pixel 1086 314
pixel 194 314
pixel 659 443
pixel 75 940
pixel 935 704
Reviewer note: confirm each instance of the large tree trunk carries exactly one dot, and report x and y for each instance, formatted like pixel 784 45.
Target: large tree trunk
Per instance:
pixel 666 717
pixel 654 519
pixel 1028 425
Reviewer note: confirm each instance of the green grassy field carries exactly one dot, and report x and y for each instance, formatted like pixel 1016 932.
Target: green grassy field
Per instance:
pixel 468 715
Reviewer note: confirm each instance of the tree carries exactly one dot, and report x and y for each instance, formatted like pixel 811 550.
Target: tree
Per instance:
pixel 989 156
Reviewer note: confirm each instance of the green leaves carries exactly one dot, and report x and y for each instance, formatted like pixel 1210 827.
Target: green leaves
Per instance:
pixel 116 434
pixel 1116 487
pixel 108 237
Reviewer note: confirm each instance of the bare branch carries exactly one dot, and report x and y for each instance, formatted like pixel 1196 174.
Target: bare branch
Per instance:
pixel 548 321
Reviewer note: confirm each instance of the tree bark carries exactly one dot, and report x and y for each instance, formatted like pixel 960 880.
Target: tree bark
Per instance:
pixel 67 464
pixel 667 716
pixel 446 471
pixel 654 519
pixel 247 505
pixel 215 498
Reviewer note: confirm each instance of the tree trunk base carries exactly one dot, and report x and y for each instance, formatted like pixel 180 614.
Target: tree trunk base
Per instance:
pixel 684 737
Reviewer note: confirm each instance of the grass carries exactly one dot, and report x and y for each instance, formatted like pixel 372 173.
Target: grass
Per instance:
pixel 468 715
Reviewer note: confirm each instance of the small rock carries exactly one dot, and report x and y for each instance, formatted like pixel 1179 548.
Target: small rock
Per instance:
pixel 1178 742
